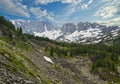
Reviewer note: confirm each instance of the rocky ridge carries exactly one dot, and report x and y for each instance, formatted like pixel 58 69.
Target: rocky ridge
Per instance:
pixel 79 33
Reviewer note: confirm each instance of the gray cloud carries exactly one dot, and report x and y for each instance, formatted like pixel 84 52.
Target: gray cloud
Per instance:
pixel 15 8
pixel 38 12
pixel 109 13
pixel 51 1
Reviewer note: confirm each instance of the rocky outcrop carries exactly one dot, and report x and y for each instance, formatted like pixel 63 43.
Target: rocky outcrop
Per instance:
pixel 6 77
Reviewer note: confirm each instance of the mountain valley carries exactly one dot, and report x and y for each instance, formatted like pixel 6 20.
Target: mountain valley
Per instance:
pixel 30 59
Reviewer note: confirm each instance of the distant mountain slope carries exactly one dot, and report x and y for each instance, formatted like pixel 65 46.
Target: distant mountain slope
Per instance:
pixel 31 26
pixel 69 32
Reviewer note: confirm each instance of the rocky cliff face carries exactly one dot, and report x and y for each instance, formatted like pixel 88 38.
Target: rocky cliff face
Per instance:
pixel 30 26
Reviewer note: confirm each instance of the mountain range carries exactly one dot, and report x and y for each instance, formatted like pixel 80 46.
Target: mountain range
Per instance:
pixel 83 32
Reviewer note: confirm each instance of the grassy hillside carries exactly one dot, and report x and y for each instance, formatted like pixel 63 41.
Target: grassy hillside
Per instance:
pixel 14 47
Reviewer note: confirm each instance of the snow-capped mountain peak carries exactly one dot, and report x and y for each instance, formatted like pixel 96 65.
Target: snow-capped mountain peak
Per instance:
pixel 69 32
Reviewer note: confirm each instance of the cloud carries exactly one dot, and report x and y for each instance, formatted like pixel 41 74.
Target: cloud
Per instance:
pixel 77 8
pixel 70 1
pixel 106 12
pixel 51 1
pixel 18 0
pixel 109 9
pixel 70 11
pixel 38 12
pixel 72 7
pixel 85 6
pixel 15 8
pixel 109 13
pixel 44 1
pixel 111 22
pixel 43 14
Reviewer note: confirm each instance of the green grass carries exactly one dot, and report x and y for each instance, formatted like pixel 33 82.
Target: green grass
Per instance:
pixel 17 62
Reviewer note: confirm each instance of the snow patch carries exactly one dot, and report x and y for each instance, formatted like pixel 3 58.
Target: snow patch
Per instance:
pixel 13 22
pixel 48 59
pixel 50 34
pixel 89 33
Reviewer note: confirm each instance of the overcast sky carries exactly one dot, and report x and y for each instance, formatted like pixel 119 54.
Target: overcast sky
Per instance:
pixel 59 12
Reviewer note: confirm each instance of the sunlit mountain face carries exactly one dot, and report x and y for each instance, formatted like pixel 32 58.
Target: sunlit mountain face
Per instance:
pixel 79 33
pixel 59 12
